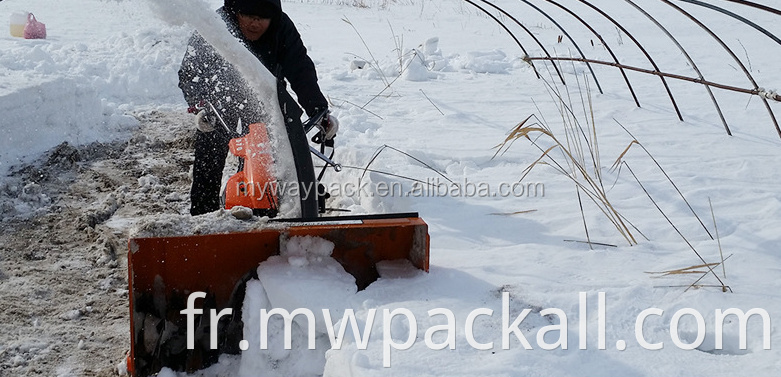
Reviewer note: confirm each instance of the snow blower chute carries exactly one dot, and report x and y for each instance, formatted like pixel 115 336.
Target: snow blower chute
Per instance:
pixel 164 271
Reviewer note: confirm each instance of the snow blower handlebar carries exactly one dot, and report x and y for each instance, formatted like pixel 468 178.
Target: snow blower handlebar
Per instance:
pixel 337 167
pixel 232 134
pixel 316 121
pixel 319 138
pixel 309 124
pixel 207 106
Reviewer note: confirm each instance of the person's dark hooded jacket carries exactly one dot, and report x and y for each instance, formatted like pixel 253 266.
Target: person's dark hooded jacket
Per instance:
pixel 205 75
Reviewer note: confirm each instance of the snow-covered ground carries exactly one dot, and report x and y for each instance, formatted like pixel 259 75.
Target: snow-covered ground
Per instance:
pixel 107 74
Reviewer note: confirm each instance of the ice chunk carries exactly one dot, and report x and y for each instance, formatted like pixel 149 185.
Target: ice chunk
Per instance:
pixel 303 276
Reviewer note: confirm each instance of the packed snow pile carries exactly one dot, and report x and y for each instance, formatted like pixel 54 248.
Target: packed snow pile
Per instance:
pixel 304 263
pixel 302 282
pixel 81 86
pixel 303 276
pixel 328 313
pixel 304 315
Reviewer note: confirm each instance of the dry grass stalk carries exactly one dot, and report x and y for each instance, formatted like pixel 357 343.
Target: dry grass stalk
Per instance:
pixel 724 287
pixel 592 243
pixel 647 152
pixel 685 270
pixel 694 270
pixel 621 162
pixel 718 240
pixel 577 155
pixel 513 213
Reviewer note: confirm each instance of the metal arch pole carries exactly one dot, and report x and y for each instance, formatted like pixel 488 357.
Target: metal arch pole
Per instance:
pixel 615 58
pixel 757 6
pixel 647 55
pixel 570 39
pixel 505 29
pixel 756 92
pixel 691 61
pixel 735 57
pixel 735 16
pixel 561 77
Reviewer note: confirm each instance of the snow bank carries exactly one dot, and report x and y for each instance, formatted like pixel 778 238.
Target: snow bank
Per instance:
pixel 82 88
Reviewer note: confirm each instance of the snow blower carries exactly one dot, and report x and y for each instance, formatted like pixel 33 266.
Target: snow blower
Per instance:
pixel 164 271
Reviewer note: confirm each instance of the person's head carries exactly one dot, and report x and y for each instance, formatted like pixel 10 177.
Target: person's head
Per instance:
pixel 253 16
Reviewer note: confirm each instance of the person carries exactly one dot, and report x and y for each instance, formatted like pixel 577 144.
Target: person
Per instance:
pixel 206 77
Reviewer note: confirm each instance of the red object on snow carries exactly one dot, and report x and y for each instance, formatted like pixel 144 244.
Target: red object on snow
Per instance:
pixel 34 29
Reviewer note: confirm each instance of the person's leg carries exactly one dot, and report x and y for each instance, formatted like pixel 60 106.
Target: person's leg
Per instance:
pixel 211 149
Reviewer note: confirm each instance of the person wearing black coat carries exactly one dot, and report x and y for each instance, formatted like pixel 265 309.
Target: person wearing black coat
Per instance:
pixel 205 76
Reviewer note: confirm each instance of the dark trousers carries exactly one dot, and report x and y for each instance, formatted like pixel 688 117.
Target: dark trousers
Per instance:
pixel 211 149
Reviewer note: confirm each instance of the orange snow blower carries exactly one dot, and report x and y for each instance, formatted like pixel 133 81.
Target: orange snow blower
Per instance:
pixel 164 271
pixel 254 186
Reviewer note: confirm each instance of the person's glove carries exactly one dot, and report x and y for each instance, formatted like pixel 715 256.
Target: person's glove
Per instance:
pixel 204 121
pixel 330 126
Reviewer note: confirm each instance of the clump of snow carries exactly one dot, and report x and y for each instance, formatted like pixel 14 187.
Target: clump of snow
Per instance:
pixel 423 63
pixel 300 251
pixel 170 225
pixel 241 213
pixel 148 182
pixel 397 269
pixel 302 276
pixel 122 367
pixel 304 263
pixel 495 61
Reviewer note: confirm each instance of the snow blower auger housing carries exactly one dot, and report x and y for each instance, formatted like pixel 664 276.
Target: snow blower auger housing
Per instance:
pixel 164 271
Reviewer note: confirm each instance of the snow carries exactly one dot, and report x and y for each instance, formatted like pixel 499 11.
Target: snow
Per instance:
pixel 285 282
pixel 79 84
pixel 305 262
pixel 441 82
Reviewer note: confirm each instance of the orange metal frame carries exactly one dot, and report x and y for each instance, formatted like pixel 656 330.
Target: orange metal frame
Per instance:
pixel 166 269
